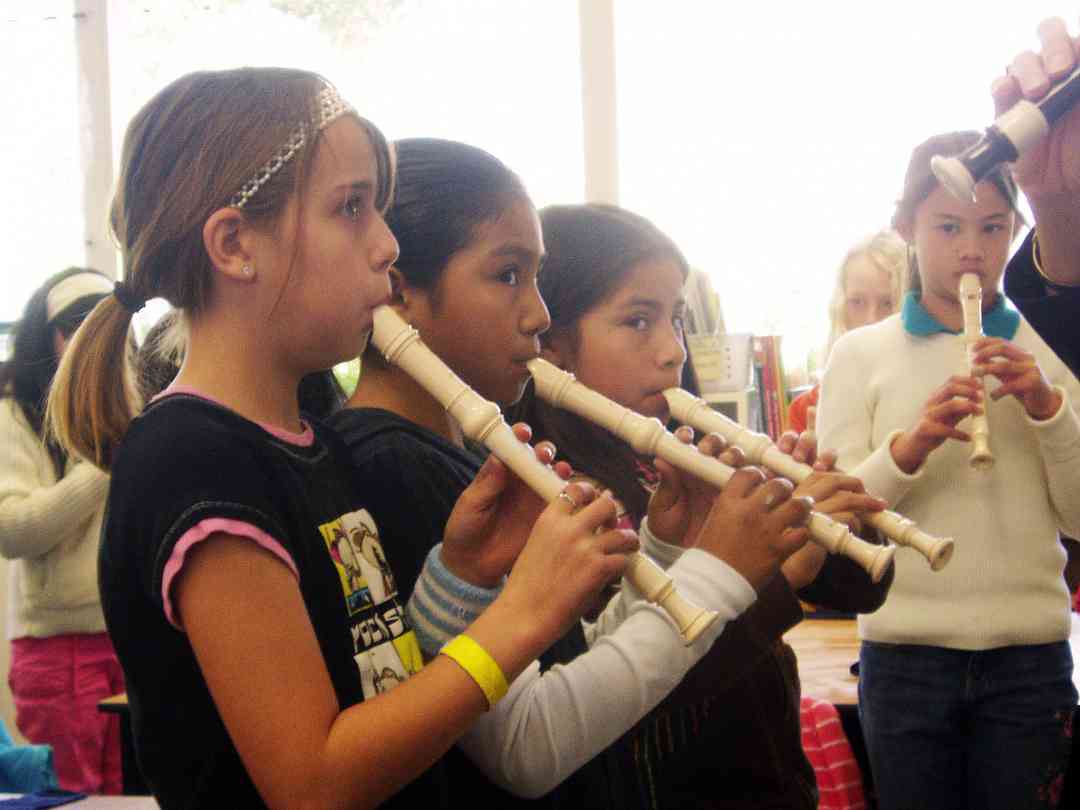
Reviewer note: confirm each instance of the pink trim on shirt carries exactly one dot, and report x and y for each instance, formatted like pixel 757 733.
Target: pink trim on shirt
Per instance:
pixel 303 439
pixel 199 532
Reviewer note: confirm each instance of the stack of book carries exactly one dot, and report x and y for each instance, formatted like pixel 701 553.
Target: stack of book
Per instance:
pixel 770 383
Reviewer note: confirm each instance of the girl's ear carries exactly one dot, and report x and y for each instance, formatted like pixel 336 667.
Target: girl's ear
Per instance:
pixel 397 291
pixel 904 227
pixel 411 303
pixel 226 238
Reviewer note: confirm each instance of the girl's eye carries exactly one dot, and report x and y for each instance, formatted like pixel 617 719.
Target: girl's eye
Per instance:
pixel 510 275
pixel 638 323
pixel 856 301
pixel 994 227
pixel 353 207
pixel 949 227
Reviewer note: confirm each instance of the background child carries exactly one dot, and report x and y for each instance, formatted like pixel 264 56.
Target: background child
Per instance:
pixel 869 287
pixel 244 583
pixel 965 688
pixel 471 251
pixel 62 662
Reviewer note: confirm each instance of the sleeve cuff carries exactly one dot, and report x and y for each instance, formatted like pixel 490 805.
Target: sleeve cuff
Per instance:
pixel 1058 436
pixel 200 532
pixel 881 475
pixel 711 583
pixel 665 554
pixel 443 605
pixel 777 609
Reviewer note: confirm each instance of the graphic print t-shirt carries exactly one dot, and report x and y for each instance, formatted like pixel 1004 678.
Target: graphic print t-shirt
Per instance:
pixel 189 468
pixel 384 647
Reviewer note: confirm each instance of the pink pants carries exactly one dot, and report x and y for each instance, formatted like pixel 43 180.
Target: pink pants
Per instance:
pixel 57 683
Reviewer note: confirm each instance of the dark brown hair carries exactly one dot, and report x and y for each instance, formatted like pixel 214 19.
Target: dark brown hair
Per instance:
pixel 444 192
pixel 28 374
pixel 919 183
pixel 591 249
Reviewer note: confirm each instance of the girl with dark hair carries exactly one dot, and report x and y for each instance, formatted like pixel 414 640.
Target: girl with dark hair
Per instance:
pixel 267 656
pixel 51 506
pixel 613 283
pixel 965 688
pixel 471 255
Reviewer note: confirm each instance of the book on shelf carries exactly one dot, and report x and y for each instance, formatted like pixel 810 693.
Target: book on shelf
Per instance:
pixel 729 368
pixel 721 363
pixel 769 372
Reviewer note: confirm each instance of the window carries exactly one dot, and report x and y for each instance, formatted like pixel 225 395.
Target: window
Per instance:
pixel 767 139
pixel 41 209
pixel 500 74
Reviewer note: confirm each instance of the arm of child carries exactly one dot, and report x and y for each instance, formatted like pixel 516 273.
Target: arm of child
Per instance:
pixel 844 423
pixel 1047 391
pixel 360 756
pixel 745 640
pixel 1059 444
pixel 842 584
pixel 282 712
pixel 552 723
pixel 35 519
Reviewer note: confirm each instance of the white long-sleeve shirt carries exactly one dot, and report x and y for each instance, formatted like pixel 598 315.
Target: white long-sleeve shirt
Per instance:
pixel 550 724
pixel 1004 584
pixel 51 530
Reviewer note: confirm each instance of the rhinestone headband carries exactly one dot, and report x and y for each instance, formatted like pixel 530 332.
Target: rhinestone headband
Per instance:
pixel 329 106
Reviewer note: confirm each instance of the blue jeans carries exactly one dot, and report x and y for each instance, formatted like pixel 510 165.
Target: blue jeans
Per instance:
pixel 951 729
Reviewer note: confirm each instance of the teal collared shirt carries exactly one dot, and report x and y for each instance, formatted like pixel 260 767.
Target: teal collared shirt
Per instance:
pixel 1000 321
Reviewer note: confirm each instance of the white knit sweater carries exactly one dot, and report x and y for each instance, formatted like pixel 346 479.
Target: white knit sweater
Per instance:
pixel 1004 585
pixel 51 530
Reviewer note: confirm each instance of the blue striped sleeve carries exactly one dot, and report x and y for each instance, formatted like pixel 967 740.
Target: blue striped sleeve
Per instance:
pixel 442 605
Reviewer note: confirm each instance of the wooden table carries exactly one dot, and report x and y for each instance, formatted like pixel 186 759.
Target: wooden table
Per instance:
pixel 828 647
pixel 134 785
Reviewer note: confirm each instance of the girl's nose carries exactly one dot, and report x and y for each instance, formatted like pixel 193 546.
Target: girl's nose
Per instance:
pixel 535 319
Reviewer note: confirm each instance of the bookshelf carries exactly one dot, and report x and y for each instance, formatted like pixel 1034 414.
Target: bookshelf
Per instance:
pixel 742 406
pixel 741 375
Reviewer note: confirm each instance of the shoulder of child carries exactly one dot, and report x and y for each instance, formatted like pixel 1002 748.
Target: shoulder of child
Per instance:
pixel 391 446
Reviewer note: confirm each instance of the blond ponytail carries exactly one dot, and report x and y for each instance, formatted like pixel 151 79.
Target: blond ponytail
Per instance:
pixel 93 396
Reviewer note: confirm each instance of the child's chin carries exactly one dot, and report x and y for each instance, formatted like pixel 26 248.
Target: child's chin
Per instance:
pixel 655 406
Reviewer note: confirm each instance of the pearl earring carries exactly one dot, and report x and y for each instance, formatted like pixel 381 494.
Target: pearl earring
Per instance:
pixel 248 270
